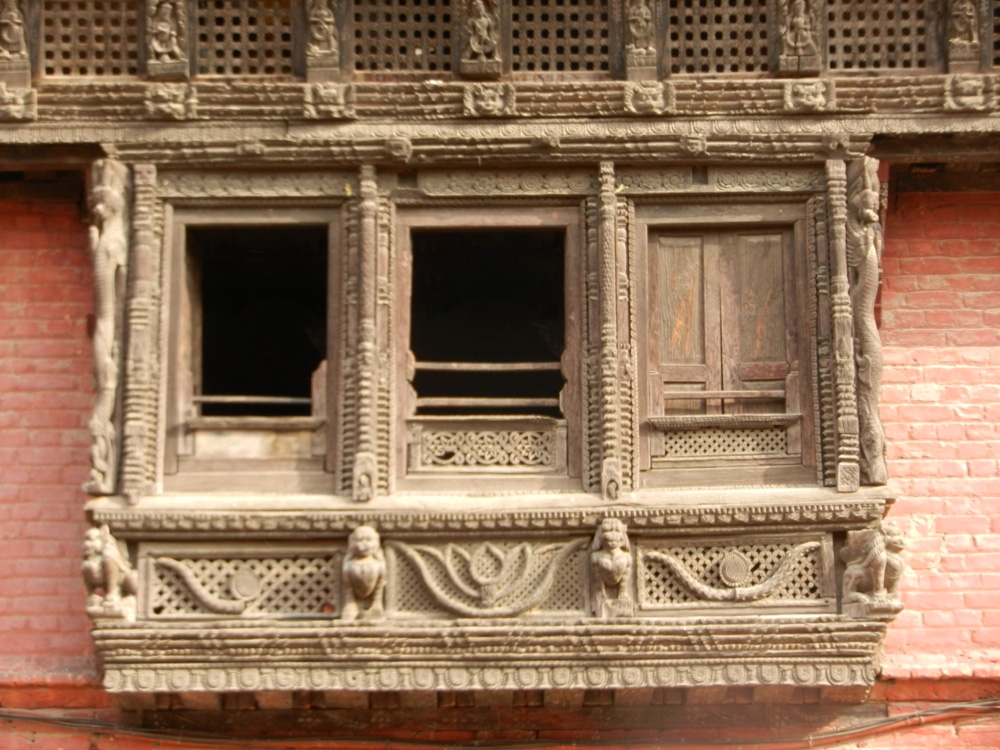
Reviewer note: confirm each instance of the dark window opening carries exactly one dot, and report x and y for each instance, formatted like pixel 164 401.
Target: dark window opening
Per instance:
pixel 487 321
pixel 262 315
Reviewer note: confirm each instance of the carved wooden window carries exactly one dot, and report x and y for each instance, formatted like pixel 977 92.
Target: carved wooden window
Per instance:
pixel 557 36
pixel 90 38
pixel 402 35
pixel 251 336
pixel 889 35
pixel 244 37
pixel 490 344
pixel 724 357
pixel 717 36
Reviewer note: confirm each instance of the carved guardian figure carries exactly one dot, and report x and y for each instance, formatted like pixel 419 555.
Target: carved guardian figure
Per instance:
pixel 610 570
pixel 874 569
pixel 111 581
pixel 364 575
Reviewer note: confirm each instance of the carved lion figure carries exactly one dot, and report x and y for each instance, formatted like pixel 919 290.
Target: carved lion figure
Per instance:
pixel 610 566
pixel 874 567
pixel 364 575
pixel 111 581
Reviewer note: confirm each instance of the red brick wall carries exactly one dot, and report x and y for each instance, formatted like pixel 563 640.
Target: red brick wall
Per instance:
pixel 941 406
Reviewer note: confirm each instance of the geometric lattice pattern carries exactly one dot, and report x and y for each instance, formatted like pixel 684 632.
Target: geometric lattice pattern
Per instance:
pixel 90 38
pixel 408 594
pixel 287 586
pixel 402 35
pixel 659 587
pixel 717 36
pixel 559 35
pixel 488 448
pixel 244 37
pixel 717 441
pixel 865 35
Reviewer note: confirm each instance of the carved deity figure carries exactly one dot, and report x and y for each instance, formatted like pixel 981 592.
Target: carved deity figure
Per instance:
pixel 12 41
pixel 482 33
pixel 166 29
pixel 797 33
pixel 322 30
pixel 364 575
pixel 874 570
pixel 610 568
pixel 864 257
pixel 964 23
pixel 108 253
pixel 111 581
pixel 640 25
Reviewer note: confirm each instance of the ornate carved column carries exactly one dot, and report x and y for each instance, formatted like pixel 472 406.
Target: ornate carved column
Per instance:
pixel 479 35
pixel 365 473
pixel 323 49
pixel 167 43
pixel 963 49
pixel 141 433
pixel 848 472
pixel 109 254
pixel 610 426
pixel 799 29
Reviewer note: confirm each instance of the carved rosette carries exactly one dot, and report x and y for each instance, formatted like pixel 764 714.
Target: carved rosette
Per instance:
pixel 799 27
pixel 111 581
pixel 167 39
pixel 875 567
pixel 481 53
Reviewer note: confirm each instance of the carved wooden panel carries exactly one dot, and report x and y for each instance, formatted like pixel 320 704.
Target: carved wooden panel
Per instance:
pixel 90 38
pixel 556 36
pixel 862 35
pixel 244 37
pixel 396 35
pixel 714 36
pixel 724 441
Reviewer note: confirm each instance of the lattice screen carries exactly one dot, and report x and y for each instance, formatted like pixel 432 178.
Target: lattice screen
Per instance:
pixel 709 442
pixel 488 448
pixel 717 36
pixel 559 35
pixel 244 37
pixel 660 587
pixel 996 33
pixel 90 38
pixel 403 35
pixel 865 35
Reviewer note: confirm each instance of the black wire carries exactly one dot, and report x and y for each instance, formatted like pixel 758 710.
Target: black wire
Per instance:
pixel 96 726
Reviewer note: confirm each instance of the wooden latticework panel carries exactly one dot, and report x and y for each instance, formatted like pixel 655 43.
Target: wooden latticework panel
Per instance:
pixel 717 36
pixel 872 36
pixel 90 38
pixel 244 37
pixel 996 33
pixel 402 35
pixel 555 36
pixel 711 442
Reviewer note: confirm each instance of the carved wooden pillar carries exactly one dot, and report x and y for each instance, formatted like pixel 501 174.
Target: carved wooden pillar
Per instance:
pixel 479 35
pixel 109 255
pixel 799 29
pixel 610 427
pixel 323 47
pixel 365 473
pixel 15 63
pixel 964 31
pixel 639 35
pixel 848 472
pixel 142 355
pixel 168 53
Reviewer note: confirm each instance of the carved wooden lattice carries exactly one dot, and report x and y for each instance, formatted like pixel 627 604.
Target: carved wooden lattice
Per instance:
pixel 90 38
pixel 403 35
pixel 244 37
pixel 708 442
pixel 660 586
pixel 717 36
pixel 559 35
pixel 862 35
pixel 996 34
pixel 487 448
pixel 290 586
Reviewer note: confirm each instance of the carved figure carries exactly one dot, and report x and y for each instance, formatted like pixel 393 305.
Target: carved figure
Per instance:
pixel 874 569
pixel 482 32
pixel 167 25
pixel 797 33
pixel 640 25
pixel 328 101
pixel 610 570
pixel 111 581
pixel 964 24
pixel 864 257
pixel 967 93
pixel 810 97
pixel 108 249
pixel 489 99
pixel 322 30
pixel 12 41
pixel 364 575
pixel 172 102
pixel 649 97
pixel 18 104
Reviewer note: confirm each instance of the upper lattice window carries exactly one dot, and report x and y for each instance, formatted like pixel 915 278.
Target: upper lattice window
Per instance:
pixel 244 37
pixel 559 36
pixel 889 35
pixel 90 38
pixel 402 35
pixel 717 36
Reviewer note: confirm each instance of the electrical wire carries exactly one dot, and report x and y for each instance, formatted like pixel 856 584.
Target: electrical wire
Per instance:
pixel 951 711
